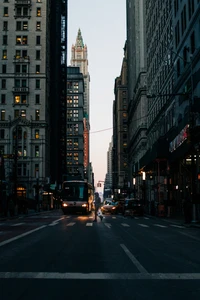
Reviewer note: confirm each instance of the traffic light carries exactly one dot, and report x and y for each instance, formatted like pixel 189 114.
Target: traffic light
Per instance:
pixel 98 184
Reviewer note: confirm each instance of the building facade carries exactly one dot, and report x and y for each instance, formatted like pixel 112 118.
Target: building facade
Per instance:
pixel 79 58
pixel 75 128
pixel 29 94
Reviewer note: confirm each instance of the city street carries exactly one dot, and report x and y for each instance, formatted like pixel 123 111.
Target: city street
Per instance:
pixel 56 256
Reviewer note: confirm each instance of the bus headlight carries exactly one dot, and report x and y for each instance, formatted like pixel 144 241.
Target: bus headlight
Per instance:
pixel 84 205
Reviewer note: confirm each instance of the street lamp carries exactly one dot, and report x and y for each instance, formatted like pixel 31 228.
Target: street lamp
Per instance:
pixel 134 182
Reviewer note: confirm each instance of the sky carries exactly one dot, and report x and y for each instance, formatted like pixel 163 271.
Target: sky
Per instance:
pixel 103 27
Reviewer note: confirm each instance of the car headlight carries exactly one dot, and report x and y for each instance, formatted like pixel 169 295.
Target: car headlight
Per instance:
pixel 84 205
pixel 113 207
pixel 65 204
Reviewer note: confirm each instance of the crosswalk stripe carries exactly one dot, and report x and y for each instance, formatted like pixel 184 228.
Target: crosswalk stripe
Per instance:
pixel 89 224
pixel 146 218
pixel 158 225
pixel 107 225
pixel 71 224
pixel 125 225
pixel 113 217
pixel 18 224
pixel 143 225
pixel 178 226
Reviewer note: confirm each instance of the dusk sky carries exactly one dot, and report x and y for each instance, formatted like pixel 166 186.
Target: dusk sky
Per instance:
pixel 103 27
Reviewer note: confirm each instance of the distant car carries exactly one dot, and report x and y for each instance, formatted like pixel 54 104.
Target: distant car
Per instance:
pixel 109 206
pixel 133 207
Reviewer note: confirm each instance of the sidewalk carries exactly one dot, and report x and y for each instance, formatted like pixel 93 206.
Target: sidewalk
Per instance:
pixel 177 220
pixel 31 212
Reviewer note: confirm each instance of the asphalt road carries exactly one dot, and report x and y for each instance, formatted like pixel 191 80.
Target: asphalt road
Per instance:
pixel 52 256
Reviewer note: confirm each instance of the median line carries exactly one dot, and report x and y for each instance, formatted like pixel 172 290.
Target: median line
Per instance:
pixel 20 236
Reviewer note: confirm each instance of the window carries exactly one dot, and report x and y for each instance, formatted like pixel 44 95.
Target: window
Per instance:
pixel 37 54
pixel 37 151
pixel 4 54
pixel 37 99
pixel 4 69
pixel 25 11
pixel 3 98
pixel 37 115
pixel 5 12
pixel 183 20
pixel 38 25
pixel 25 25
pixel 18 26
pixel 37 84
pixel 20 99
pixel 24 83
pixel 37 69
pixel 23 114
pixel 24 68
pixel 190 8
pixel 5 40
pixel 38 40
pixel 37 134
pixel 3 83
pixel 5 26
pixel 2 134
pixel 16 113
pixel 21 169
pixel 3 115
pixel 38 12
pixel 22 40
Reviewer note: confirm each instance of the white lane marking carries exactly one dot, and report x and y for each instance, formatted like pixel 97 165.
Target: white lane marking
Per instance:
pixel 68 217
pixel 146 218
pixel 21 235
pixel 113 217
pixel 136 218
pixel 143 225
pixel 178 226
pixel 100 276
pixel 107 225
pixel 89 224
pixel 158 225
pixel 18 224
pixel 134 260
pixel 71 224
pixel 125 225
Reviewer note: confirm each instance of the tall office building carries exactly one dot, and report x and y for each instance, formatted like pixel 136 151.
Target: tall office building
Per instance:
pixel 79 58
pixel 32 93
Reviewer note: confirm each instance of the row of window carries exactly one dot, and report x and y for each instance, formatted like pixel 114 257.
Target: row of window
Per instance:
pixel 21 26
pixel 18 113
pixel 5 54
pixel 19 136
pixel 22 12
pixel 21 40
pixel 23 83
pixel 20 99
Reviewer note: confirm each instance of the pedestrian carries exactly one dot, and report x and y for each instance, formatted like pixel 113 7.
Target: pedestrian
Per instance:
pixel 97 205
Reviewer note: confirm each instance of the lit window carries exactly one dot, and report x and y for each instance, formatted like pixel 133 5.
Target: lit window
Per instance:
pixel 4 54
pixel 5 12
pixel 37 134
pixel 17 99
pixel 38 12
pixel 3 115
pixel 37 115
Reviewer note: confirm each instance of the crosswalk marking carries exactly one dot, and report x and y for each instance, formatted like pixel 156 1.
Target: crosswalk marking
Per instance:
pixel 18 224
pixel 146 218
pixel 107 225
pixel 136 218
pixel 113 217
pixel 89 224
pixel 71 224
pixel 158 225
pixel 178 226
pixel 125 225
pixel 143 225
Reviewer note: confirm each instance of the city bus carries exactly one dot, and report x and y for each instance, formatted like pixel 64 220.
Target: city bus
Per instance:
pixel 77 196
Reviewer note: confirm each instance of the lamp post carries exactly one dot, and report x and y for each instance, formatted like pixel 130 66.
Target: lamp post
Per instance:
pixel 134 182
pixel 144 187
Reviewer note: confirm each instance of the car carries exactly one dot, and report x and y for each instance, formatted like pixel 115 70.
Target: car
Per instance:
pixel 109 206
pixel 133 207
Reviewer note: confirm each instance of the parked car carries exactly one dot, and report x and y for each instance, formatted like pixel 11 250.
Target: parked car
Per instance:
pixel 109 206
pixel 133 207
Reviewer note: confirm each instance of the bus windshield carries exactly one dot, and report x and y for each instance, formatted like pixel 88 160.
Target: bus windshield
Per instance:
pixel 73 191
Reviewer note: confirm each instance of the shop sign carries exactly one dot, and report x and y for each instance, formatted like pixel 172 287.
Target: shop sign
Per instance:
pixel 179 139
